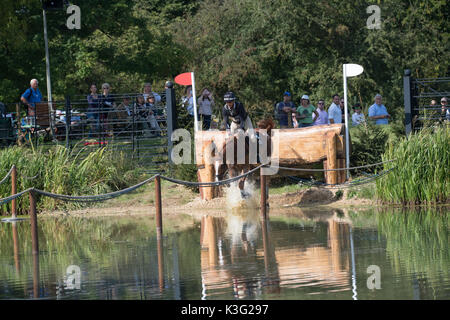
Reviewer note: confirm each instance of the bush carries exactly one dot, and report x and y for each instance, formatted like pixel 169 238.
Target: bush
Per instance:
pixel 368 145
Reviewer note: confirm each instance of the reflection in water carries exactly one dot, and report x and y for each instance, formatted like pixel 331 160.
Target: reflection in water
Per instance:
pixel 296 255
pixel 236 235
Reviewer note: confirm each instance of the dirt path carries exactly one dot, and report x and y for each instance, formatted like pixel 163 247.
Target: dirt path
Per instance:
pixel 180 200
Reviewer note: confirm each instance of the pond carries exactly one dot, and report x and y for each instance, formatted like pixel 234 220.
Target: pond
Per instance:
pixel 295 254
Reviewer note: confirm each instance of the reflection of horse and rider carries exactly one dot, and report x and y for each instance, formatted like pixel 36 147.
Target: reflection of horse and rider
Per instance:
pixel 240 122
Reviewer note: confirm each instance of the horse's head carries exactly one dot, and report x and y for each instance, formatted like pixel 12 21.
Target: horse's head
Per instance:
pixel 266 124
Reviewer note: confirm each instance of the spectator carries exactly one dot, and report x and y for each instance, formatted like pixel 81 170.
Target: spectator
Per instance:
pixel 323 115
pixel 107 104
pixel 120 115
pixel 378 111
pixel 31 96
pixel 92 112
pixel 148 91
pixel 205 105
pixel 151 115
pixel 284 111
pixel 305 111
pixel 358 116
pixel 187 101
pixel 334 111
pixel 444 108
pixel 342 106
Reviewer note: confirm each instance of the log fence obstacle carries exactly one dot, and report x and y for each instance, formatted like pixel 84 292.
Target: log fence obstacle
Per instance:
pixel 33 192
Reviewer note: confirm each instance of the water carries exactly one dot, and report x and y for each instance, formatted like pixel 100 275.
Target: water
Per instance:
pixel 296 254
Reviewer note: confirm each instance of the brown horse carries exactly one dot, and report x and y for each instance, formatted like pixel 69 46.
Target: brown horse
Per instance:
pixel 240 165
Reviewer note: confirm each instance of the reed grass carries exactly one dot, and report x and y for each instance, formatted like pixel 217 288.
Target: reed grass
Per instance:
pixel 59 170
pixel 421 174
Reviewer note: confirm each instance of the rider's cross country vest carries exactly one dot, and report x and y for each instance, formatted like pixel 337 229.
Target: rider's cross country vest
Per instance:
pixel 236 111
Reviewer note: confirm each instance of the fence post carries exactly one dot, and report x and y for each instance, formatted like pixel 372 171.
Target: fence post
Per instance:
pixel 34 222
pixel 171 108
pixel 158 206
pixel 407 101
pixel 14 191
pixel 263 203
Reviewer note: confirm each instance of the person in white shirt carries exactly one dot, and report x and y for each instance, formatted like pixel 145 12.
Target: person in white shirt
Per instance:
pixel 357 116
pixel 205 105
pixel 334 111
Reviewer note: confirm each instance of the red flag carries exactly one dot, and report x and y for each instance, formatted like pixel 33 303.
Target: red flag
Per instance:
pixel 184 79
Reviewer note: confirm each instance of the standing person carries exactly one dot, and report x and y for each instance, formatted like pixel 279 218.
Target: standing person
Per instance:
pixel 378 111
pixel 323 115
pixel 357 116
pixel 151 112
pixel 205 105
pixel 234 110
pixel 285 109
pixel 107 104
pixel 187 101
pixel 445 110
pixel 92 112
pixel 342 106
pixel 148 91
pixel 31 96
pixel 305 111
pixel 334 111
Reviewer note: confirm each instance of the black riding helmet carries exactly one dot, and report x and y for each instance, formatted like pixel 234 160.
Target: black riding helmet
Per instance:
pixel 229 96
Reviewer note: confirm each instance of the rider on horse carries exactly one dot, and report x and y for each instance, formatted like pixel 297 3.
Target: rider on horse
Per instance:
pixel 235 111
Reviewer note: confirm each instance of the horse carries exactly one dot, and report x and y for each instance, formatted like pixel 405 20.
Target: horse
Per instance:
pixel 236 168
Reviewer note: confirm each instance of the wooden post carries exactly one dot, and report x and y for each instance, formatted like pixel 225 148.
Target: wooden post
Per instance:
pixel 263 205
pixel 160 263
pixel 14 191
pixel 158 206
pixel 331 158
pixel 34 223
pixel 16 247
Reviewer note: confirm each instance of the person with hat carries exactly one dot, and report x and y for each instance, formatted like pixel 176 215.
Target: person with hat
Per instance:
pixel 305 111
pixel 284 111
pixel 234 110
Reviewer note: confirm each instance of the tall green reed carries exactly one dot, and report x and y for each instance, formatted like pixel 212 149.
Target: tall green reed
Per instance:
pixel 421 174
pixel 62 171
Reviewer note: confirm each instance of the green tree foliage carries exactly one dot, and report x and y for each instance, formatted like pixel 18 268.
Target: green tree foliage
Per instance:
pixel 256 48
pixel 261 48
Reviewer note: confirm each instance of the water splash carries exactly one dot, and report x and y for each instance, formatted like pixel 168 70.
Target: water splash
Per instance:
pixel 234 199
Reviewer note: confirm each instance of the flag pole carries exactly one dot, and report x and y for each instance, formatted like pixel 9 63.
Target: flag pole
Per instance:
pixel 195 103
pixel 347 140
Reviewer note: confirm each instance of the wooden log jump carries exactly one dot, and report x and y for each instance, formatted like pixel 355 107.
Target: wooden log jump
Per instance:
pixel 297 147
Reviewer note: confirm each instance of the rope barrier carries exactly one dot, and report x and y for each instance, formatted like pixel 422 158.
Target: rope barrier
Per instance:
pixel 99 197
pixel 7 175
pixel 111 195
pixel 338 169
pixel 216 183
pixel 14 196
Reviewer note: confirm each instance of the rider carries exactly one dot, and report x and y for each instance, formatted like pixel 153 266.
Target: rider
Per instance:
pixel 235 111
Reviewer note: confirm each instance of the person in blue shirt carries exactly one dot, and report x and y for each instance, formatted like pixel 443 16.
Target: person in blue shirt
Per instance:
pixel 284 111
pixel 31 96
pixel 378 111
